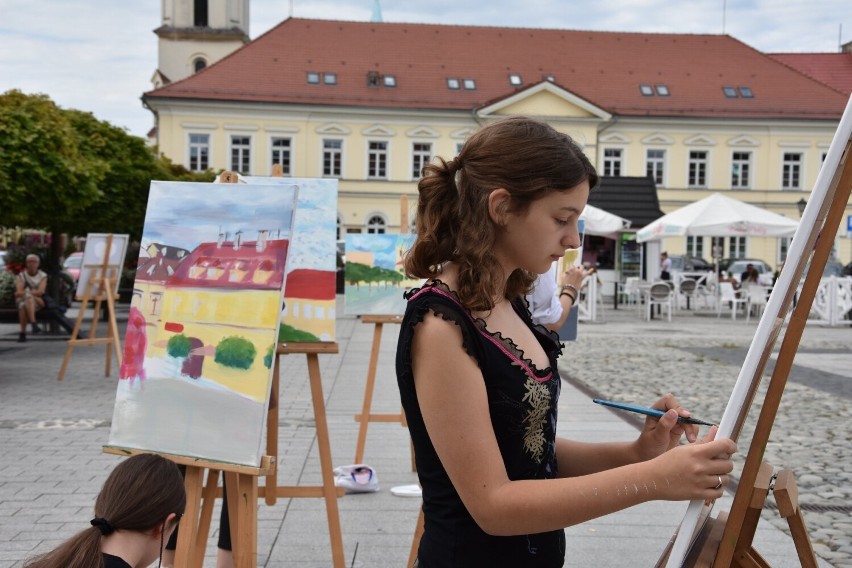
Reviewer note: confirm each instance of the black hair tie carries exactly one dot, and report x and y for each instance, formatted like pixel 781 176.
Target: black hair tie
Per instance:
pixel 103 525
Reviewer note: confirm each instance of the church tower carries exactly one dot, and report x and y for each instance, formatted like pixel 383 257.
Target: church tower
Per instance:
pixel 198 33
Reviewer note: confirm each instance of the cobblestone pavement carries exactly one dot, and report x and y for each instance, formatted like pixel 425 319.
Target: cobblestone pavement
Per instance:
pixel 633 361
pixel 51 433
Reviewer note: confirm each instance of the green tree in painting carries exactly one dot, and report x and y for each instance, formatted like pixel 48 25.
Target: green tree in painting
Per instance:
pixel 267 359
pixel 236 352
pixel 289 333
pixel 357 274
pixel 178 346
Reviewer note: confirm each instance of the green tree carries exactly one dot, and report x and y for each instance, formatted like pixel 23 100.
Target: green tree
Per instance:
pixel 46 179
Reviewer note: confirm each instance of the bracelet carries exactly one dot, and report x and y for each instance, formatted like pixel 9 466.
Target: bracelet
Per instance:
pixel 572 288
pixel 573 298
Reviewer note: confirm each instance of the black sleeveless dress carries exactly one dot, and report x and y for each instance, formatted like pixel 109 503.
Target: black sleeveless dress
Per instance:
pixel 522 403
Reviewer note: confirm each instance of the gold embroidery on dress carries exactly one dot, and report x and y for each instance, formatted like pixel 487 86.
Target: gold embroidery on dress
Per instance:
pixel 538 397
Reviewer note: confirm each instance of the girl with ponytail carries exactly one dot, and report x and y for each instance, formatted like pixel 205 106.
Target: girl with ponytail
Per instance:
pixel 479 381
pixel 137 509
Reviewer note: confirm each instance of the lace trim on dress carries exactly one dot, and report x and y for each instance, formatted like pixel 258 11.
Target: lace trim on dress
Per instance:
pixel 504 344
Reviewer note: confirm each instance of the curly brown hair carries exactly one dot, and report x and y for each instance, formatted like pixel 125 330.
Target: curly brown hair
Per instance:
pixel 528 158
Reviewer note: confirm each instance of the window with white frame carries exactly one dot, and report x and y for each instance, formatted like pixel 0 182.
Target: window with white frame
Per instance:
pixel 376 224
pixel 332 157
pixel 695 246
pixel 737 247
pixel 783 247
pixel 655 161
pixel 377 160
pixel 199 152
pixel 612 161
pixel 740 170
pixel 791 171
pixel 241 154
pixel 281 154
pixel 697 176
pixel 421 154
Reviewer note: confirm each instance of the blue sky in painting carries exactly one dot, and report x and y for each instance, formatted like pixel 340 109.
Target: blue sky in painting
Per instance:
pixel 383 246
pixel 315 228
pixel 187 214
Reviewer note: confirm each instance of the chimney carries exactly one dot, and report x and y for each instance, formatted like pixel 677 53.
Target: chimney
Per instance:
pixel 262 236
pixel 221 240
pixel 238 237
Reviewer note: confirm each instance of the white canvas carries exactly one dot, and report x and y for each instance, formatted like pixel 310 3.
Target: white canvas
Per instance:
pixel 93 260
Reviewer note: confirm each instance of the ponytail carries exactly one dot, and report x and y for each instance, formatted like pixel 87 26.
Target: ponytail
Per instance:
pixel 437 219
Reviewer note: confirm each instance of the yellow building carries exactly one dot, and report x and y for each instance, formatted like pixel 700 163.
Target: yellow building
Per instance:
pixel 371 103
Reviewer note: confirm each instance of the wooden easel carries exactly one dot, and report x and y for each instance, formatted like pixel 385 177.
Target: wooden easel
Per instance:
pixel 271 491
pixel 726 542
pixel 99 288
pixel 379 320
pixel 243 493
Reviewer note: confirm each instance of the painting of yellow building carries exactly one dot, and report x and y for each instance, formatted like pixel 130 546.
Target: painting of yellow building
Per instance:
pixel 196 374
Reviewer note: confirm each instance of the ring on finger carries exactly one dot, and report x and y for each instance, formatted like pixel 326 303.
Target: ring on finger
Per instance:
pixel 720 482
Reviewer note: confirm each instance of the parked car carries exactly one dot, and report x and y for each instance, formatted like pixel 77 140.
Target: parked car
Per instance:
pixel 765 274
pixel 687 263
pixel 72 265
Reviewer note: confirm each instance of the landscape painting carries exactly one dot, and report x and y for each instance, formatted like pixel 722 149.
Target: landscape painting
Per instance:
pixel 201 335
pixel 375 279
pixel 310 300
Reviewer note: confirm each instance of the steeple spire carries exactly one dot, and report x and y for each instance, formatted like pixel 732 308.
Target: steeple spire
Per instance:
pixel 377 11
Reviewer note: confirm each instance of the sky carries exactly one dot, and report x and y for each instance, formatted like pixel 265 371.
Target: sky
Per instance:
pixel 99 55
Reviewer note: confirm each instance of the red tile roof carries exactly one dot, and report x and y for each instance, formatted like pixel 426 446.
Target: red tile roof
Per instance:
pixel 212 266
pixel 604 68
pixel 833 69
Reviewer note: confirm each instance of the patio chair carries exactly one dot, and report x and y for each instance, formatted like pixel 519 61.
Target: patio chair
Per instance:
pixel 729 296
pixel 630 291
pixel 756 297
pixel 687 288
pixel 660 294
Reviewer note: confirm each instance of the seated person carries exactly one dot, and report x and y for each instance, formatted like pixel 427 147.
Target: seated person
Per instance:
pixel 30 286
pixel 30 297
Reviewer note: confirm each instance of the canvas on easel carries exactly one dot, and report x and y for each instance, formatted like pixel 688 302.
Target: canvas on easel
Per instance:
pixel 307 328
pixel 201 334
pixel 95 255
pixel 310 299
pixel 375 279
pixel 811 244
pixel 103 270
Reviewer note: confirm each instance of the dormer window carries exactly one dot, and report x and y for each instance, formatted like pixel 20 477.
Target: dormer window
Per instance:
pixel 453 83
pixel 390 81
pixel 313 78
pixel 515 80
pixel 470 84
pixel 329 78
pixel 662 90
pixel 730 92
pixel 646 90
pixel 745 92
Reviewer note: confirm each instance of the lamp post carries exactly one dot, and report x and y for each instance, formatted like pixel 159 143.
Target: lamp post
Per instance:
pixel 801 204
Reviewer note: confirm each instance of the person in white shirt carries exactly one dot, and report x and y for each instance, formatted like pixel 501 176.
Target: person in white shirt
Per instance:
pixel 546 307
